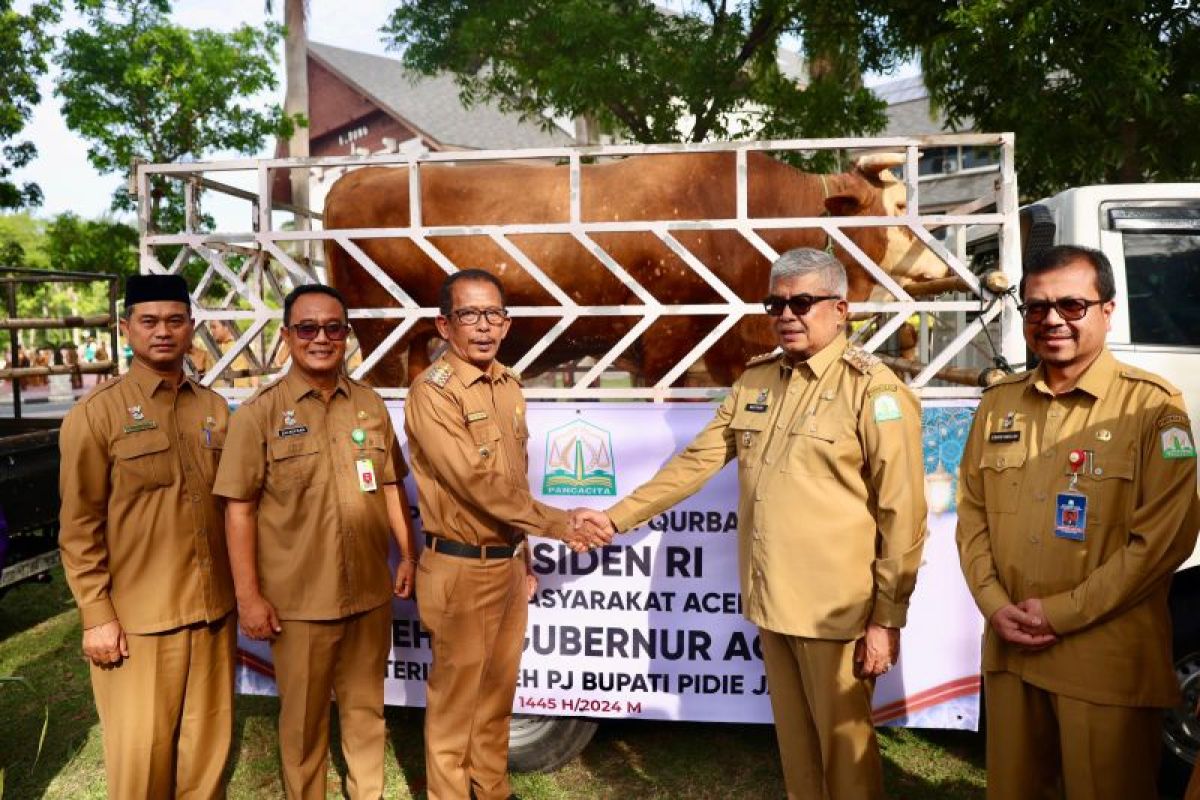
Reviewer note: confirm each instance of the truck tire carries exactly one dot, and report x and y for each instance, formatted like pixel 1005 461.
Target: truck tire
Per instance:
pixel 1181 727
pixel 543 744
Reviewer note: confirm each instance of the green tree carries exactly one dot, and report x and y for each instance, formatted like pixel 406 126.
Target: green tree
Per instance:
pixel 25 41
pixel 100 245
pixel 1095 92
pixel 138 87
pixel 709 72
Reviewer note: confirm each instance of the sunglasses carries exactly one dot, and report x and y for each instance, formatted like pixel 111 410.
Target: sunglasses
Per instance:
pixel 334 331
pixel 1069 308
pixel 800 304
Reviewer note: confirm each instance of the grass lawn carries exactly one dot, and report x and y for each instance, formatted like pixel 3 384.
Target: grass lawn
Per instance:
pixel 39 639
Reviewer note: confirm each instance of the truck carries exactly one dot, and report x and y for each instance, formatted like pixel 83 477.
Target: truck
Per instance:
pixel 29 457
pixel 651 627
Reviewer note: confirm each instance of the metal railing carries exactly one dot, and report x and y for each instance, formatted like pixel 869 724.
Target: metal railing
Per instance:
pixel 245 273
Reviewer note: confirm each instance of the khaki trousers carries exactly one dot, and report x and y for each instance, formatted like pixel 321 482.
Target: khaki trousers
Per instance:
pixel 1046 745
pixel 822 719
pixel 167 713
pixel 475 612
pixel 346 657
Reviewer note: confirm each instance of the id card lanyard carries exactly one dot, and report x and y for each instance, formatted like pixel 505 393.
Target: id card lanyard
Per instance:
pixel 1070 512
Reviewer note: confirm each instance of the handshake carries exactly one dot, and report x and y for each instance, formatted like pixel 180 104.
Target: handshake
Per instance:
pixel 589 528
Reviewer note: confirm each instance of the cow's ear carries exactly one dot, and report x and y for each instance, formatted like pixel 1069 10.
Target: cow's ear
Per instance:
pixel 843 205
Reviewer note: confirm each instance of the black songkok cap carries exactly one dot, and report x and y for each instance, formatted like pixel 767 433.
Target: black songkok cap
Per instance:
pixel 149 288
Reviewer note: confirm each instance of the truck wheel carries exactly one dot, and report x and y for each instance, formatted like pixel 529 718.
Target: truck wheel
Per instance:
pixel 1181 728
pixel 543 744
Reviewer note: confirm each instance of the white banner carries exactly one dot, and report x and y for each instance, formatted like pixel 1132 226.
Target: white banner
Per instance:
pixel 651 626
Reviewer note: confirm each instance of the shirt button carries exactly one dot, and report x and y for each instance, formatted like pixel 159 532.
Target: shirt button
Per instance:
pixel 1050 453
pixel 767 460
pixel 779 426
pixel 195 498
pixel 1034 539
pixel 758 497
pixel 1040 496
pixel 1098 471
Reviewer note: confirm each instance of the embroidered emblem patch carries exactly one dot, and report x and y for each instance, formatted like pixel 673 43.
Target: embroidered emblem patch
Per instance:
pixel 886 408
pixel 1176 443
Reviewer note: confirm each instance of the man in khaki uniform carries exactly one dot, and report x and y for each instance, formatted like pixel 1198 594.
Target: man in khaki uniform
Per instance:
pixel 465 420
pixel 143 548
pixel 830 530
pixel 1077 502
pixel 310 472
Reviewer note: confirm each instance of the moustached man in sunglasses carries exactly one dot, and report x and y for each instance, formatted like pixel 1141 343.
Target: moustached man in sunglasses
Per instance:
pixel 311 471
pixel 831 529
pixel 1077 501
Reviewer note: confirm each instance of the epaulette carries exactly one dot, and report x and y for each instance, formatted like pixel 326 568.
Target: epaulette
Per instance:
pixel 1016 377
pixel 860 359
pixel 764 358
pixel 262 390
pixel 1135 374
pixel 439 374
pixel 102 387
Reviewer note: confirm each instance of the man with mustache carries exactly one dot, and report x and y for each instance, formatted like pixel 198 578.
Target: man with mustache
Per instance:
pixel 143 548
pixel 1077 501
pixel 465 419
pixel 830 532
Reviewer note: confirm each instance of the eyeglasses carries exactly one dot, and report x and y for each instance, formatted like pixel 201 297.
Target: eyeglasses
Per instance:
pixel 334 331
pixel 800 304
pixel 470 316
pixel 1069 308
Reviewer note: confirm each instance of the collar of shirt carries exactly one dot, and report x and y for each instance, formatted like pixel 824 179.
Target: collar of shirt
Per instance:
pixel 298 388
pixel 821 360
pixel 149 381
pixel 1095 380
pixel 468 373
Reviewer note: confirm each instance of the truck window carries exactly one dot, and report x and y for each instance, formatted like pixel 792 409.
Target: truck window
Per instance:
pixel 1162 271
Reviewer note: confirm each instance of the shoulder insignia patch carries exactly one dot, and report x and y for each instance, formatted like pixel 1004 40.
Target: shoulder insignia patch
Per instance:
pixel 860 359
pixel 763 358
pixel 439 374
pixel 1016 377
pixel 1135 374
pixel 1176 442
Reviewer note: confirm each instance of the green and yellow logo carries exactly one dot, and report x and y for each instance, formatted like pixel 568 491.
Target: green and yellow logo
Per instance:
pixel 579 461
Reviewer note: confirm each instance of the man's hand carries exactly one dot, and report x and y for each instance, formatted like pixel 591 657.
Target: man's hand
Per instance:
pixel 105 644
pixel 257 618
pixel 590 528
pixel 531 584
pixel 876 651
pixel 1016 625
pixel 1038 624
pixel 403 587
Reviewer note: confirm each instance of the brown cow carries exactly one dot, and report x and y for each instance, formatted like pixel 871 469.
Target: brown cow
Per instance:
pixel 692 186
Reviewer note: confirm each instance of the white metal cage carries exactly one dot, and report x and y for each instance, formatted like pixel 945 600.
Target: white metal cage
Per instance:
pixel 244 274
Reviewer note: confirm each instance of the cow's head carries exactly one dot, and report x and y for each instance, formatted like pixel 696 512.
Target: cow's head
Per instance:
pixel 906 258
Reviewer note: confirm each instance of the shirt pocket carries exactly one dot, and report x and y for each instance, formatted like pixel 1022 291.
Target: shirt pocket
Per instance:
pixel 821 447
pixel 486 438
pixel 143 460
pixel 212 446
pixel 1109 488
pixel 294 463
pixel 748 427
pixel 1002 470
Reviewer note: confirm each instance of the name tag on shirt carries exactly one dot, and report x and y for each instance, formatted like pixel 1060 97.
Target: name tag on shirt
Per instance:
pixel 366 474
pixel 1070 516
pixel 996 437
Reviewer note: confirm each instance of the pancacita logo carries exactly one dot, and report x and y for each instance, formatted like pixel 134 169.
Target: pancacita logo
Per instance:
pixel 579 460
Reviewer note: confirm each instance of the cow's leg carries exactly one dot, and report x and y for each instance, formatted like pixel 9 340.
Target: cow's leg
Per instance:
pixel 418 351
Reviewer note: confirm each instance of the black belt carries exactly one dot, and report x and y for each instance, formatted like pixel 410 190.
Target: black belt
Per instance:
pixel 461 549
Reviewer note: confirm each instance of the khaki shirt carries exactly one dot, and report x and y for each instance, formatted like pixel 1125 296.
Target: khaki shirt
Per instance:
pixel 142 537
pixel 831 516
pixel 322 539
pixel 1106 596
pixel 469 446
